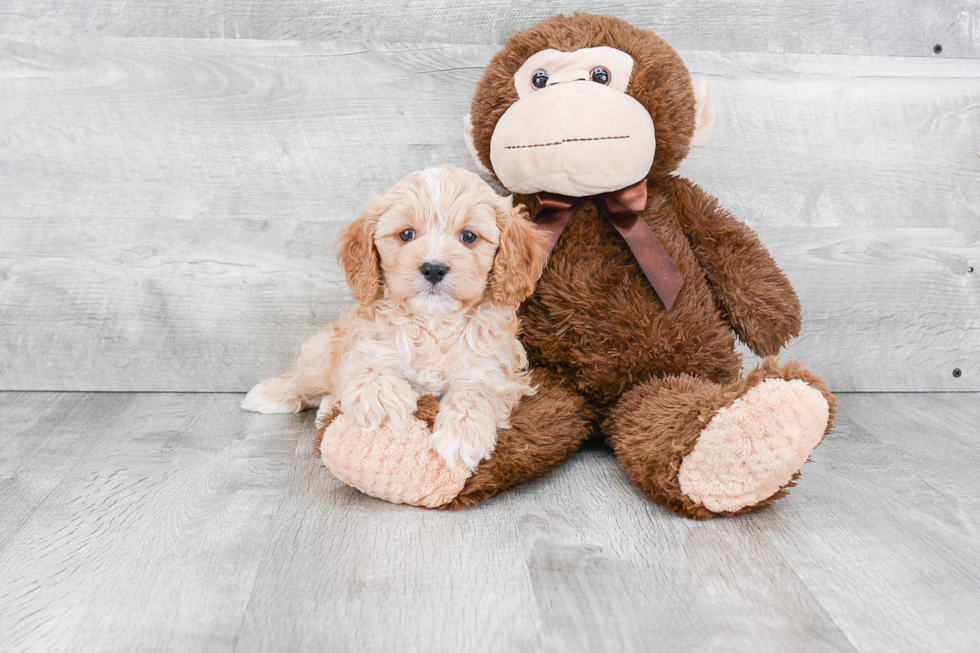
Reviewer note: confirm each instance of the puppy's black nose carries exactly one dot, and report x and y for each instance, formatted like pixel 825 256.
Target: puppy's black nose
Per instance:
pixel 433 271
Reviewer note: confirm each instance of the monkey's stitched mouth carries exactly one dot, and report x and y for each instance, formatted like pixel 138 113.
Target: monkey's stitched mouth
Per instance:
pixel 565 140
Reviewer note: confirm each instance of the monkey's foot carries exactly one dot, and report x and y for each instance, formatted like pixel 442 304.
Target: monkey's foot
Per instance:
pixel 703 449
pixel 753 448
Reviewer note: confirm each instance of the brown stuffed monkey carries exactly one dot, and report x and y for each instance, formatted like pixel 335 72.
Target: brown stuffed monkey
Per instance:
pixel 632 326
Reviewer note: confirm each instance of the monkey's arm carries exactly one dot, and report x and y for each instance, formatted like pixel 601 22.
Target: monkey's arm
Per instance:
pixel 754 294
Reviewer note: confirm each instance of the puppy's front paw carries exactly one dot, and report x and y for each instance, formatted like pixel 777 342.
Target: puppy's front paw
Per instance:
pixel 379 398
pixel 274 395
pixel 460 439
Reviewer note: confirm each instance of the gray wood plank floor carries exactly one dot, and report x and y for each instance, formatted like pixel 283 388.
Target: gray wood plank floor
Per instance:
pixel 177 522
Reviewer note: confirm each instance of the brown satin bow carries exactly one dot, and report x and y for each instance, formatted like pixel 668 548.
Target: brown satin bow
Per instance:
pixel 621 208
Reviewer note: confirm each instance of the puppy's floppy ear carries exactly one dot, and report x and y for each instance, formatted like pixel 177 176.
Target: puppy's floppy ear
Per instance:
pixel 357 255
pixel 520 255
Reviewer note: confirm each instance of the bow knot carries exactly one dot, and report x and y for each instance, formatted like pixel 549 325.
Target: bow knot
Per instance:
pixel 621 208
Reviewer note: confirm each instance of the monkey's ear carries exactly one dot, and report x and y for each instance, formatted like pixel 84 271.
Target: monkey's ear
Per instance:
pixel 704 114
pixel 470 145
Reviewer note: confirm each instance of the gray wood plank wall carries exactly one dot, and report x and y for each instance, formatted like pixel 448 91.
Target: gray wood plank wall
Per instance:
pixel 887 27
pixel 172 175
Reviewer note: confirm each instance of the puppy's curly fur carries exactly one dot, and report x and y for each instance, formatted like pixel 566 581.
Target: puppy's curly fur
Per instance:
pixel 453 336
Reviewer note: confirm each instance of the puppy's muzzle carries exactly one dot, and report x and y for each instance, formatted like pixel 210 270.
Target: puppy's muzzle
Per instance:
pixel 433 271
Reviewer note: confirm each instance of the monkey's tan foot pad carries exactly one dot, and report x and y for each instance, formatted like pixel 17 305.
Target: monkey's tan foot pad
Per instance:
pixel 754 447
pixel 396 466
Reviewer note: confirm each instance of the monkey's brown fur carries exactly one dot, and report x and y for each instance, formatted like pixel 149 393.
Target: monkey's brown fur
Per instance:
pixel 657 423
pixel 651 378
pixel 530 447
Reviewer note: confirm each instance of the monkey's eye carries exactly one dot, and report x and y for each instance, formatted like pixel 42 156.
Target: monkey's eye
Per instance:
pixel 407 235
pixel 600 75
pixel 540 79
pixel 468 237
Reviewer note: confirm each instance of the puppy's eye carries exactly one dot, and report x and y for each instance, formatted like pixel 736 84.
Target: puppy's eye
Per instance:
pixel 468 237
pixel 407 235
pixel 539 79
pixel 600 75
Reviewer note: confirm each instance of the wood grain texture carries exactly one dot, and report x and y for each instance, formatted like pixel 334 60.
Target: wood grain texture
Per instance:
pixel 901 477
pixel 885 27
pixel 176 522
pixel 162 304
pixel 168 207
pixel 884 309
pixel 126 515
pixel 155 305
pixel 151 128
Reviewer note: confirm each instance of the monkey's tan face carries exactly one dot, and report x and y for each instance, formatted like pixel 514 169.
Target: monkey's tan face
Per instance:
pixel 574 129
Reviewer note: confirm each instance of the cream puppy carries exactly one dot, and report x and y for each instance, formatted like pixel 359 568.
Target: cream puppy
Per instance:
pixel 438 265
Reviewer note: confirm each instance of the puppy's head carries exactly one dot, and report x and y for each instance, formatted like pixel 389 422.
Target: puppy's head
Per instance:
pixel 439 241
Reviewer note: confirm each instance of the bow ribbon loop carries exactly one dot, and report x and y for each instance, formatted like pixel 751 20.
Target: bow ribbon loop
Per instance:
pixel 621 208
